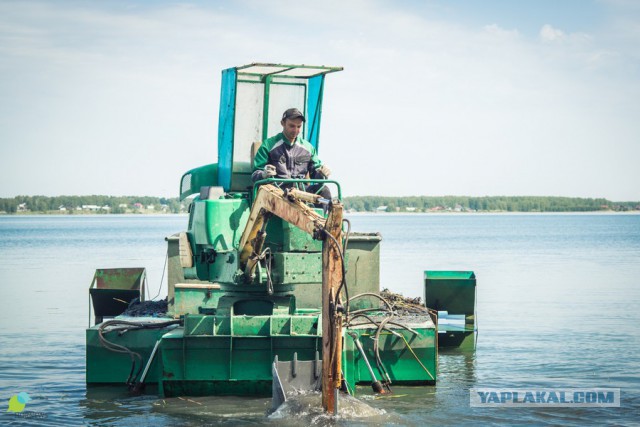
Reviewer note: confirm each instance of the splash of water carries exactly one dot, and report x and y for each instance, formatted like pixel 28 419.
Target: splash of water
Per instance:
pixel 307 407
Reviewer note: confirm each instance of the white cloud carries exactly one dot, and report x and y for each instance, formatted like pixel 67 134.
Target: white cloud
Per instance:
pixel 439 107
pixel 550 34
pixel 501 32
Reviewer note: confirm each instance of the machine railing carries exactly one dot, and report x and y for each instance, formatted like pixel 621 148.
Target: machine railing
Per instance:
pixel 296 182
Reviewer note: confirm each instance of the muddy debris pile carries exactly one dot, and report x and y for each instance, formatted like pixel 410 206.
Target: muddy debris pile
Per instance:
pixel 404 306
pixel 147 308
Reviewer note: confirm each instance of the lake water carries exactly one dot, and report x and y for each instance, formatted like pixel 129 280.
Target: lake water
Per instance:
pixel 558 307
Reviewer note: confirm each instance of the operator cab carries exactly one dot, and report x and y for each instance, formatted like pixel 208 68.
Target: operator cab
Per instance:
pixel 252 100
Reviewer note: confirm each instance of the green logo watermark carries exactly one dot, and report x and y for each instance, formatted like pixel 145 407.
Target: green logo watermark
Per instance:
pixel 18 402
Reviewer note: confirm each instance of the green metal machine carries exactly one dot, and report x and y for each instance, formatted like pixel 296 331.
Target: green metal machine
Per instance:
pixel 227 323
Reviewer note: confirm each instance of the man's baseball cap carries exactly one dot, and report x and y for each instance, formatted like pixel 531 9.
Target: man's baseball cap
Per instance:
pixel 293 113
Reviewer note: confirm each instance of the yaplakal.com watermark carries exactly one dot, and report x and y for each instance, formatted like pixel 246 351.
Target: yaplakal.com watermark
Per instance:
pixel 545 397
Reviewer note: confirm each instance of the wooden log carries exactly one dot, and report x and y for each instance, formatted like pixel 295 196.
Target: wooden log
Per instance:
pixel 331 319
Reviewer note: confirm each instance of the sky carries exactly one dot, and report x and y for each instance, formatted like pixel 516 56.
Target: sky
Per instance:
pixel 460 97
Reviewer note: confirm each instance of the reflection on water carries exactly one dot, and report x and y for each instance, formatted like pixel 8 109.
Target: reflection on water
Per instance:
pixel 558 300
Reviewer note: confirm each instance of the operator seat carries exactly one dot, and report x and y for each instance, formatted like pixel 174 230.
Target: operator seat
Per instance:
pixel 254 150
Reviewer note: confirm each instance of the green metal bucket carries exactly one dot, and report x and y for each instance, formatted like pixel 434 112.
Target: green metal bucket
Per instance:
pixel 112 289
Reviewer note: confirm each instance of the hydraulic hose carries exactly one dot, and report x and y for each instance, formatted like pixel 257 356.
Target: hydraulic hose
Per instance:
pixel 375 384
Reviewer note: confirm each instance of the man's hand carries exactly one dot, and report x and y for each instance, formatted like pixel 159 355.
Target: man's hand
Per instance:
pixel 325 171
pixel 269 172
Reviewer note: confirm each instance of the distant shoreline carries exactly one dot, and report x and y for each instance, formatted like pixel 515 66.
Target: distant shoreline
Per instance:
pixel 130 214
pixel 145 205
pixel 610 212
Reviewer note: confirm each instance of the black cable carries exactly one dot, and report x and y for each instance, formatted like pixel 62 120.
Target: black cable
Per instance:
pixel 344 248
pixel 364 294
pixel 367 310
pixel 373 322
pixel 266 255
pixel 164 267
pixel 381 325
pixel 343 282
pixel 376 347
pixel 117 348
pixel 346 237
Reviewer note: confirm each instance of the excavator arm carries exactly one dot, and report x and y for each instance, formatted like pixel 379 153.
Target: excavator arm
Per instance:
pixel 290 205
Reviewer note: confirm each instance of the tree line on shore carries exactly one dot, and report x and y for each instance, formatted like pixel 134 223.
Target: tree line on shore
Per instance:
pixel 91 204
pixel 137 204
pixel 485 204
